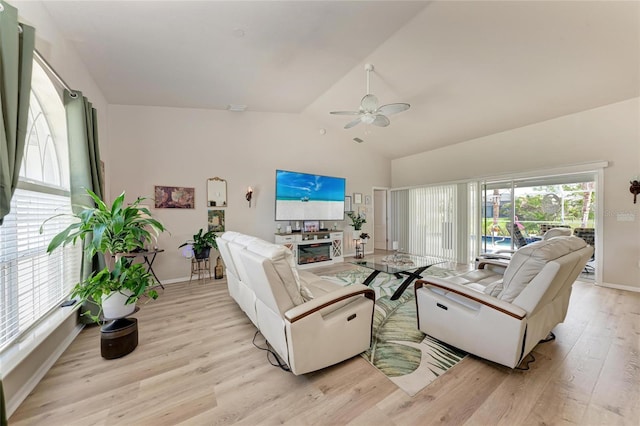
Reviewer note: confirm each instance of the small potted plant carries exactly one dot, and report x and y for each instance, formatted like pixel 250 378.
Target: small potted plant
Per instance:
pixel 356 220
pixel 202 244
pixel 112 231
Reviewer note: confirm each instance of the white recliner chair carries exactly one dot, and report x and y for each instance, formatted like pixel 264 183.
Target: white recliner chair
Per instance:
pixel 310 323
pixel 502 316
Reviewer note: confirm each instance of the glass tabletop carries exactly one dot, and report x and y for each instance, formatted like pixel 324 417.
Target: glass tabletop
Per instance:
pixel 397 263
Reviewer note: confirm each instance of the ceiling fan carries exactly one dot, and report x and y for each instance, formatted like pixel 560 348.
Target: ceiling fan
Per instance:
pixel 370 112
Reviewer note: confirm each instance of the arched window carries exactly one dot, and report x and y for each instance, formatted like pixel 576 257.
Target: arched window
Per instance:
pixel 32 282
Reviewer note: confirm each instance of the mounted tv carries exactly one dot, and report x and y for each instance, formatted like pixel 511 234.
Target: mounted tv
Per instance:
pixel 304 196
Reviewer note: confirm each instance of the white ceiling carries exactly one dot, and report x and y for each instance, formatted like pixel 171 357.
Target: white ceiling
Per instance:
pixel 468 69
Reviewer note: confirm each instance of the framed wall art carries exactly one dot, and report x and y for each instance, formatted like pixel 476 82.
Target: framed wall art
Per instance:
pixel 347 203
pixel 174 197
pixel 215 220
pixel 357 198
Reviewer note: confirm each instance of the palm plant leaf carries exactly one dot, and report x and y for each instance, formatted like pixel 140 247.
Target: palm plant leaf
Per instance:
pixel 393 323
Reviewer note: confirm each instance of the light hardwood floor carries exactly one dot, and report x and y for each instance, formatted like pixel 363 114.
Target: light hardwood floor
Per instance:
pixel 196 365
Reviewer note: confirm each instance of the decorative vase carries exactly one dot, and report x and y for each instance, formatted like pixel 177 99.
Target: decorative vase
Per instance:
pixel 356 234
pixel 113 305
pixel 218 270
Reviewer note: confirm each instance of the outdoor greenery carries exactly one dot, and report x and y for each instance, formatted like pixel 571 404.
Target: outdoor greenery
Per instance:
pixel 544 206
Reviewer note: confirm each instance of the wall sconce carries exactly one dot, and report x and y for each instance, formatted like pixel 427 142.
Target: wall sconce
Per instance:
pixel 635 188
pixel 249 195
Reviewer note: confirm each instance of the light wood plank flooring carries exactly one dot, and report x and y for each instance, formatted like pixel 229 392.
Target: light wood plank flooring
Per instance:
pixel 196 365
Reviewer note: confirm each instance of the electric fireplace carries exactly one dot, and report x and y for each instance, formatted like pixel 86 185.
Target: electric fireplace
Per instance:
pixel 315 252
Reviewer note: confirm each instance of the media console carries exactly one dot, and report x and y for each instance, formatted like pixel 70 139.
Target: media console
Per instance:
pixel 312 249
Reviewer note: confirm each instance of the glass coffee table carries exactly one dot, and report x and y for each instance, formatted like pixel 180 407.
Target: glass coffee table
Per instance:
pixel 399 265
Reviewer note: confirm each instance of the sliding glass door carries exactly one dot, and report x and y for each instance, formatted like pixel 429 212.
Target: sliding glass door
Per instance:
pixel 459 220
pixel 517 212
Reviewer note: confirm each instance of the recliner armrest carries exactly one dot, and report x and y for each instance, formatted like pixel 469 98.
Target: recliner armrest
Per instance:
pixel 314 305
pixel 481 298
pixel 493 262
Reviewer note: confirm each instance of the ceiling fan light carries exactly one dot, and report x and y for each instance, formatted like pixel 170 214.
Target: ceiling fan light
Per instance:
pixel 368 118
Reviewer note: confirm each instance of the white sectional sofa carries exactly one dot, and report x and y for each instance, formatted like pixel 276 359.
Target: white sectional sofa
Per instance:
pixel 311 323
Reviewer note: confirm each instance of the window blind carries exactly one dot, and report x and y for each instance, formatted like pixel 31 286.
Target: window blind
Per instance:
pixel 32 282
pixel 424 220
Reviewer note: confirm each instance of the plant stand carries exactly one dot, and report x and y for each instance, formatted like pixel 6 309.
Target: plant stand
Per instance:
pixel 118 338
pixel 200 267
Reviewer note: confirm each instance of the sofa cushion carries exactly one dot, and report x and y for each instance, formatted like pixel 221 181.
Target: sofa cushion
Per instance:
pixel 284 264
pixel 494 289
pixel 528 261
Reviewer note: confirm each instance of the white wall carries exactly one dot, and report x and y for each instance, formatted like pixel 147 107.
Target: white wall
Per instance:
pixel 610 133
pixel 184 147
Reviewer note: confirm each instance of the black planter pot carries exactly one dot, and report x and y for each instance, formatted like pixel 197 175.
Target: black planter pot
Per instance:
pixel 203 254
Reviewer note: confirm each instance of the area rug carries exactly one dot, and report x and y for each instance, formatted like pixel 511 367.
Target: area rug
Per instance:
pixel 408 357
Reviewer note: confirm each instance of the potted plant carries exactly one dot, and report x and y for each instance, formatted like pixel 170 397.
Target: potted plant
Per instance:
pixel 112 231
pixel 356 220
pixel 202 244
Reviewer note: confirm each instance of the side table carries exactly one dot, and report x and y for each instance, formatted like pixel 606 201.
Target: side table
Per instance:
pixel 360 249
pixel 200 267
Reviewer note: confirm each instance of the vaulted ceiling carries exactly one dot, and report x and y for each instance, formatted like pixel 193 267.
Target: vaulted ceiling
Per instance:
pixel 468 69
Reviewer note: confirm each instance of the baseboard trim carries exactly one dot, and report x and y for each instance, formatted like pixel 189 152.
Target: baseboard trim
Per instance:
pixel 619 287
pixel 14 401
pixel 175 280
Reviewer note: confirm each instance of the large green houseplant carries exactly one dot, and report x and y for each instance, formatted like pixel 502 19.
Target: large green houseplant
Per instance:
pixel 112 231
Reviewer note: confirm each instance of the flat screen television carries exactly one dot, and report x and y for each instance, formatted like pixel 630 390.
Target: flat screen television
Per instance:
pixel 304 196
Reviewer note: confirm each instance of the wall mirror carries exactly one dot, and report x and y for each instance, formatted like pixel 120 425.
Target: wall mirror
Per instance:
pixel 216 192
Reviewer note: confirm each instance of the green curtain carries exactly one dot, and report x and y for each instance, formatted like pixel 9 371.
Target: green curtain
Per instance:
pixel 84 160
pixel 16 56
pixel 84 152
pixel 16 59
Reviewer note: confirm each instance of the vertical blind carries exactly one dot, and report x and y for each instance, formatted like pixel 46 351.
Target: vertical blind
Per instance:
pixel 32 282
pixel 424 220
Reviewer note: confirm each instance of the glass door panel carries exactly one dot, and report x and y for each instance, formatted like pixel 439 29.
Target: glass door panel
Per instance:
pixel 515 213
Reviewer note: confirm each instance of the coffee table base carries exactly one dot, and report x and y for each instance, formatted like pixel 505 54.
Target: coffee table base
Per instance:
pixel 411 276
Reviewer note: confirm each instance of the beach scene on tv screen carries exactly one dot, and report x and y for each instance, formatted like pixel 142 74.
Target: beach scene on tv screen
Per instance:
pixel 302 196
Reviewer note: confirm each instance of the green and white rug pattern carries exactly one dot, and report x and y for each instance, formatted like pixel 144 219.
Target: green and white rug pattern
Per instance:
pixel 408 357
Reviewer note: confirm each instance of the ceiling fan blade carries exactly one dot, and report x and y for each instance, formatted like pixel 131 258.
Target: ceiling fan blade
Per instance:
pixel 381 121
pixel 369 103
pixel 353 123
pixel 393 108
pixel 345 112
